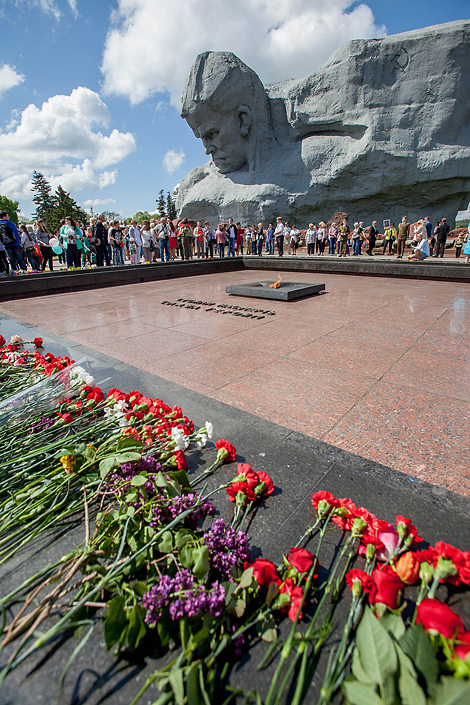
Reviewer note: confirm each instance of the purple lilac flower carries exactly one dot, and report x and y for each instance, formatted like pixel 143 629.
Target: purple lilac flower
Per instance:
pixel 182 597
pixel 118 481
pixel 168 509
pixel 239 642
pixel 227 547
pixel 42 425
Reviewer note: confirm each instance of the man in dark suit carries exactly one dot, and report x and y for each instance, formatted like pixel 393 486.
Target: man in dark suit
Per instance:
pixel 372 237
pixel 101 243
pixel 442 233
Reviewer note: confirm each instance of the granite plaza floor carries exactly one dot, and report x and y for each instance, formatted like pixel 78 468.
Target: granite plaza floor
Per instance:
pixel 377 366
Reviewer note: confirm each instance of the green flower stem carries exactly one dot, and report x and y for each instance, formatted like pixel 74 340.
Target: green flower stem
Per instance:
pixel 302 649
pixel 64 622
pixel 285 653
pixel 301 686
pixel 434 585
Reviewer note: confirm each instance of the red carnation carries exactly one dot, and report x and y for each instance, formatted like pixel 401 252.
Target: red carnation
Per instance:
pixel 296 594
pixel 242 487
pixel 265 486
pixel 248 473
pixel 226 451
pixel 265 572
pixel 357 575
pixel 2 340
pixel 323 496
pixel 436 617
pixel 38 342
pixel 66 418
pixel 181 460
pixel 386 586
pixel 406 528
pixel 301 559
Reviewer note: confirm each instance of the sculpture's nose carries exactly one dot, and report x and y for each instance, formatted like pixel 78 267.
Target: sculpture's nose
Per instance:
pixel 209 147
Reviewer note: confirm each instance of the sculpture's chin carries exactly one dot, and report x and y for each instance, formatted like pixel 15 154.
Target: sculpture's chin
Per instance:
pixel 226 167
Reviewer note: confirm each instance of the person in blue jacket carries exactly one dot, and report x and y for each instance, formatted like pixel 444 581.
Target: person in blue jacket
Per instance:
pixel 10 238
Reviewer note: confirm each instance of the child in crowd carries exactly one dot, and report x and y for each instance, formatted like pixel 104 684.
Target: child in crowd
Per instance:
pixel 133 250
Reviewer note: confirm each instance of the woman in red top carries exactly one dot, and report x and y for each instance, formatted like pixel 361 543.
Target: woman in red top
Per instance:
pixel 199 237
pixel 239 240
pixel 172 243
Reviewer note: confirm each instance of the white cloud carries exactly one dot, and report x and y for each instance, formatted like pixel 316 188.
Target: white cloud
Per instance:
pixel 279 39
pixel 73 6
pixel 173 160
pixel 62 140
pixel 98 202
pixel 9 78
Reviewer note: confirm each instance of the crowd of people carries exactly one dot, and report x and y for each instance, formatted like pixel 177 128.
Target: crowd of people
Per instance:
pixel 101 243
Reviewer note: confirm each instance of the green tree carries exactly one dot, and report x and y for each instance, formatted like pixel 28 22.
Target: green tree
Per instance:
pixel 65 205
pixel 141 216
pixel 43 198
pixel 462 223
pixel 170 207
pixel 161 207
pixel 11 207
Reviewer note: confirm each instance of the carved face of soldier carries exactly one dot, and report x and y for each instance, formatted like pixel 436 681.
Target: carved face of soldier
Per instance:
pixel 225 137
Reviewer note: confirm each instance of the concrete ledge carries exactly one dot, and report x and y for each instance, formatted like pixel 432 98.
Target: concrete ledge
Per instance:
pixel 28 285
pixel 438 270
pixel 59 282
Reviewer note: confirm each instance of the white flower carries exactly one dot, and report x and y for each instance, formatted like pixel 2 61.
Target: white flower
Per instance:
pixel 79 377
pixel 16 339
pixel 209 429
pixel 201 440
pixel 181 441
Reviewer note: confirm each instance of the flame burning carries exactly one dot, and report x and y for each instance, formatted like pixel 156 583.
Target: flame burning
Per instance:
pixel 276 284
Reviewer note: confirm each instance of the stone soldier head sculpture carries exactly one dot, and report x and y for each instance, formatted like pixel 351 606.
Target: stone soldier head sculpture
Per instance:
pixel 225 104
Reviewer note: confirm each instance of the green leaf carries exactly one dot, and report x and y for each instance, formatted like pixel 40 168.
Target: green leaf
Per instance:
pixel 128 457
pixel 165 543
pixel 394 624
pixel 239 607
pixel 185 554
pixel 357 669
pixel 201 561
pixel 182 536
pixel 115 622
pixel 129 444
pixel 273 592
pixel 360 694
pixel 246 579
pixel 140 588
pixel 416 644
pixel 137 629
pixel 411 692
pixel 89 453
pixel 107 464
pixel 139 480
pixel 177 685
pixel 452 691
pixel 376 649
pixel 181 476
pixel 160 480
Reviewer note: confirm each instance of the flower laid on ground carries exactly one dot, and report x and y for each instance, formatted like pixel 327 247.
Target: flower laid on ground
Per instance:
pixel 165 576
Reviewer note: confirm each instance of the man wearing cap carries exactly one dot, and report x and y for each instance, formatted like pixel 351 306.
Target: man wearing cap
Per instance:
pixel 441 238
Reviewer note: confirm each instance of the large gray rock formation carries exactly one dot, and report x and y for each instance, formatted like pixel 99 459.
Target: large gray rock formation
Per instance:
pixel 381 130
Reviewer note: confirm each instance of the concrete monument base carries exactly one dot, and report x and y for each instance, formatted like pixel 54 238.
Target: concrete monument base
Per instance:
pixel 286 291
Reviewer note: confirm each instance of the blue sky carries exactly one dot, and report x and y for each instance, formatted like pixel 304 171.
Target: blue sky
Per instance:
pixel 89 89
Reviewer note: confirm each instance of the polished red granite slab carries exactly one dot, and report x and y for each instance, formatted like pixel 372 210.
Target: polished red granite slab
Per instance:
pixel 377 366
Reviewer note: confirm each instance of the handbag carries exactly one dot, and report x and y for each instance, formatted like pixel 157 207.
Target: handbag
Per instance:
pixel 151 245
